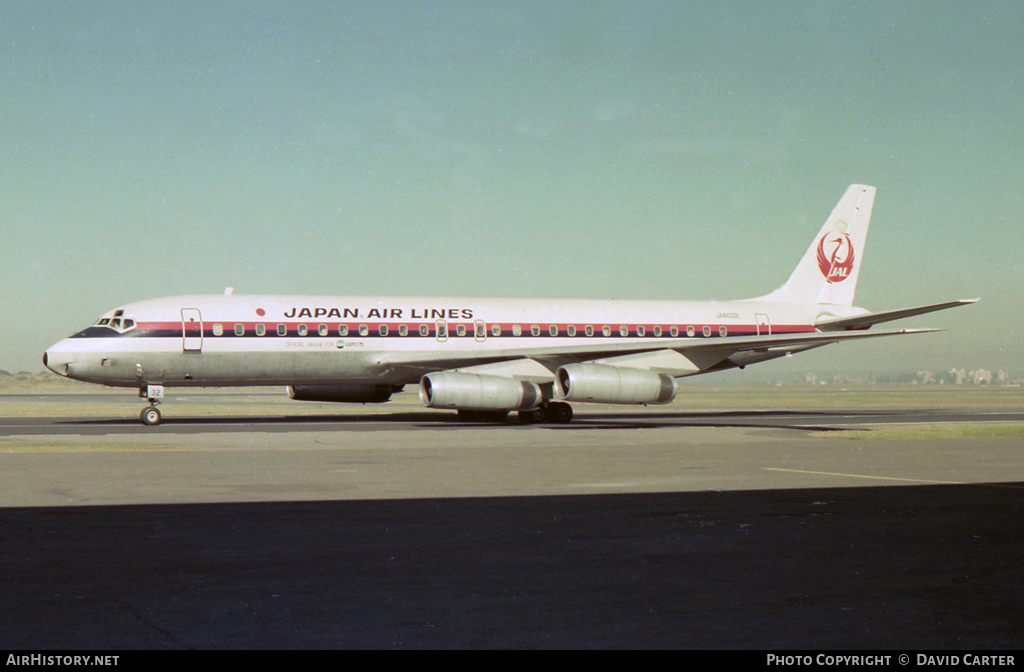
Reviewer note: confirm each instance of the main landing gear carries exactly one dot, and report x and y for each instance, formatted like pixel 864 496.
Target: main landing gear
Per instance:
pixel 153 394
pixel 554 412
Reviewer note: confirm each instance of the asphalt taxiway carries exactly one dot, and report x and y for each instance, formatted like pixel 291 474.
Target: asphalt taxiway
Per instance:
pixel 416 420
pixel 738 529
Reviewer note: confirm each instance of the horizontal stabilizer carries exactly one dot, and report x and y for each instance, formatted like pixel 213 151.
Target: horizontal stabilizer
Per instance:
pixel 865 321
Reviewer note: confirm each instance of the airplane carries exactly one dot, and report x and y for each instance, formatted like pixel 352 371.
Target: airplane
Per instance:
pixel 481 357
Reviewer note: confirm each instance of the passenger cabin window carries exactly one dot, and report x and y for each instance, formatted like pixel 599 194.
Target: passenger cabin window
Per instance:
pixel 589 330
pixel 657 331
pixel 623 331
pixel 364 330
pixel 496 330
pixel 706 331
pixel 535 330
pixel 282 330
pixel 218 329
pixel 606 330
pixel 674 331
pixel 382 330
pixel 690 331
pixel 553 330
pixel 517 330
pixel 260 330
pixel 403 330
pixel 460 330
pixel 303 330
pixel 342 330
pixel 322 330
pixel 723 331
pixel 571 330
pixel 481 330
pixel 424 330
pixel 239 329
pixel 640 331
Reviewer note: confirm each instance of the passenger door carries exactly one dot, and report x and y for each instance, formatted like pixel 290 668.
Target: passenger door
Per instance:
pixel 191 330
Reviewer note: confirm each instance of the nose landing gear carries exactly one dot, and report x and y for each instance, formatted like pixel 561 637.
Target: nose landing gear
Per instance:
pixel 150 416
pixel 153 394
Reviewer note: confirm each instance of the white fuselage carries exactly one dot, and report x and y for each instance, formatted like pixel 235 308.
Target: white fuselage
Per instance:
pixel 234 340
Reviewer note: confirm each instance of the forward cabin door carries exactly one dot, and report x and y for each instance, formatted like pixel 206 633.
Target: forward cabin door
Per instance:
pixel 191 330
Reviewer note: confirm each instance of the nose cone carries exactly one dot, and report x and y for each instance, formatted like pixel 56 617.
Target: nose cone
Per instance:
pixel 58 359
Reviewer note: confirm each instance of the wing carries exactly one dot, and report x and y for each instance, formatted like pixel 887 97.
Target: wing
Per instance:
pixel 677 357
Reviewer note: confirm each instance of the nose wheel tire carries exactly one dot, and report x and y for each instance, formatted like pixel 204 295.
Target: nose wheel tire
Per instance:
pixel 150 416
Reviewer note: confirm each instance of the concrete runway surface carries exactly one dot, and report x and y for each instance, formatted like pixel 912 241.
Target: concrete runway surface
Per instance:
pixel 729 531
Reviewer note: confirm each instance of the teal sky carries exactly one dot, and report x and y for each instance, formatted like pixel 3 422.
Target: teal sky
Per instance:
pixel 662 150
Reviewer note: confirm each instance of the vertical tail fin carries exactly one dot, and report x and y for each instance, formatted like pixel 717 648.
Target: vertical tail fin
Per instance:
pixel 828 271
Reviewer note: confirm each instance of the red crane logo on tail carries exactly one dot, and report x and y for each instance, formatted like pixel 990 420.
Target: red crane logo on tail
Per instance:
pixel 835 254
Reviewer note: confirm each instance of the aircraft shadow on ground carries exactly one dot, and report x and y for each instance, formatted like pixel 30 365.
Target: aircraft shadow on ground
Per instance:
pixel 596 421
pixel 880 568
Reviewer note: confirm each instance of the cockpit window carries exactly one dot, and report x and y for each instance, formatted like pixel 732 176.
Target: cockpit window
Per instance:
pixel 117 323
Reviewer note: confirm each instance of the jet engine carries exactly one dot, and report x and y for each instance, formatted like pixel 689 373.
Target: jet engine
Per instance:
pixel 470 391
pixel 613 385
pixel 352 393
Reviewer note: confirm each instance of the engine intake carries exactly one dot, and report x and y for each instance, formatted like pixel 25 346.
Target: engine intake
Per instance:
pixel 474 392
pixel 613 385
pixel 351 393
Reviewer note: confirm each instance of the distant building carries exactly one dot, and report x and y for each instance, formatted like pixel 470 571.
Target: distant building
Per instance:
pixel 981 377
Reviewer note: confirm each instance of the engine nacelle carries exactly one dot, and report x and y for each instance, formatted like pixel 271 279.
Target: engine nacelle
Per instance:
pixel 613 385
pixel 351 393
pixel 473 392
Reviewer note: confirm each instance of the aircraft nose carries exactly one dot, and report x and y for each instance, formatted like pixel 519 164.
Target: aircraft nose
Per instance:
pixel 58 360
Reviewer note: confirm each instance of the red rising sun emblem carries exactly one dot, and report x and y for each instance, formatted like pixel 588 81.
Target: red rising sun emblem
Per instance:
pixel 261 312
pixel 835 255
